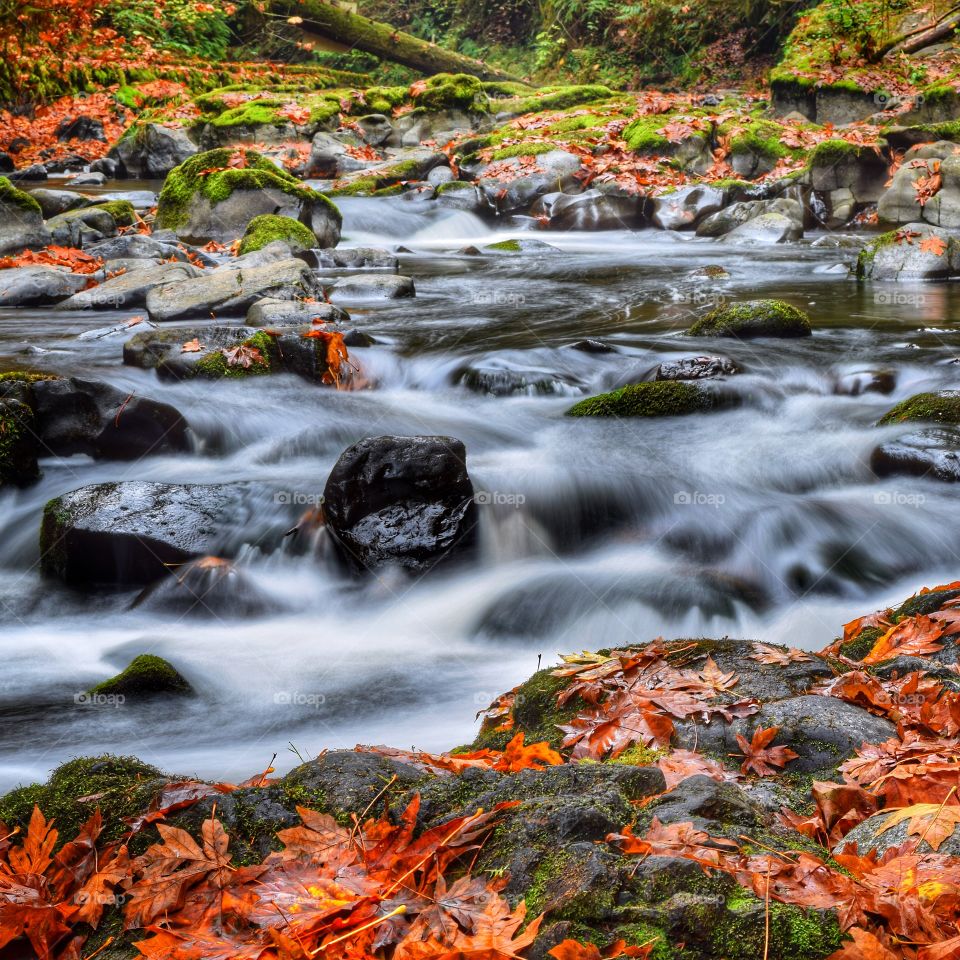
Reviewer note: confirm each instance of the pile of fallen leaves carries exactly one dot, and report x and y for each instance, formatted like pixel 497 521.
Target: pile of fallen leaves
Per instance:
pixel 376 888
pixel 76 261
pixel 343 891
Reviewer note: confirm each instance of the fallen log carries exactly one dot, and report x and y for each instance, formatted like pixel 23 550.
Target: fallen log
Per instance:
pixel 921 37
pixel 336 23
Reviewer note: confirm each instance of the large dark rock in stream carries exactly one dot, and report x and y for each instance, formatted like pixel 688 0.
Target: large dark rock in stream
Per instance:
pixel 18 444
pixel 129 533
pixel 21 220
pixel 933 452
pixel 404 501
pixel 38 286
pixel 91 417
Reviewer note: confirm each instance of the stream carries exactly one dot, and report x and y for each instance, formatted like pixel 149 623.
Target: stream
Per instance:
pixel 763 521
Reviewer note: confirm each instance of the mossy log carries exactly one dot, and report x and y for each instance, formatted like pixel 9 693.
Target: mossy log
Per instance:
pixel 336 23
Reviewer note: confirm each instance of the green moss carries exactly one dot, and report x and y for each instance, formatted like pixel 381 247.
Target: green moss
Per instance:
pixel 638 756
pixel 754 318
pixel 451 91
pixel 793 932
pixel 505 246
pixel 453 186
pixel 524 150
pixel 556 98
pixel 831 152
pixel 640 934
pixel 642 134
pixel 384 99
pixel 121 210
pixel 254 113
pixel 383 181
pixel 506 88
pixel 144 675
pixel 190 179
pixel 926 407
pixel 924 603
pixel 18 451
pixel 25 376
pixel 764 138
pixel 268 228
pixel 662 399
pixel 215 366
pixel 869 253
pixel 862 644
pixel 11 196
pixel 536 714
pixel 119 786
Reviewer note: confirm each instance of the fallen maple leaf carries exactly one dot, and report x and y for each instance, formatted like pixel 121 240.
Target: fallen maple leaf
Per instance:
pixel 192 346
pixel 934 244
pixel 759 757
pixel 932 822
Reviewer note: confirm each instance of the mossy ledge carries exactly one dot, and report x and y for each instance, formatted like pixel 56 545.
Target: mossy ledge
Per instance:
pixel 754 318
pixel 270 227
pixel 661 399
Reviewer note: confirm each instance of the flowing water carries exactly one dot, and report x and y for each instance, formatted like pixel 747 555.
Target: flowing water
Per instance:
pixel 762 521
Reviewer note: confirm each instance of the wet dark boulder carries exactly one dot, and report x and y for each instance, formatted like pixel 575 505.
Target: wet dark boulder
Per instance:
pixel 128 533
pixel 81 128
pixel 720 809
pixel 375 286
pixel 18 444
pixel 697 368
pixel 405 501
pixel 591 210
pixel 145 676
pixel 208 587
pixel 823 731
pixel 663 399
pixel 916 252
pixel 933 452
pixel 341 782
pixel 91 417
pixel 54 202
pixel 858 382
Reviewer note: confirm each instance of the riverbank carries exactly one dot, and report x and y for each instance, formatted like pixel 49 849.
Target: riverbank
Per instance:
pixel 628 795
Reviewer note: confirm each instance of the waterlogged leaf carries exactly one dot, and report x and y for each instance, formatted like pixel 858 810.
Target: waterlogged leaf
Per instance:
pixel 243 356
pixel 913 637
pixel 933 822
pixel 777 656
pixel 193 346
pixel 759 757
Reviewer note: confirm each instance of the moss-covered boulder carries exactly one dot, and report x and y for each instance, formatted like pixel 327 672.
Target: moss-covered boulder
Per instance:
pixel 145 676
pixel 18 444
pixel 215 195
pixel 119 786
pixel 918 251
pixel 754 318
pixel 660 399
pixel 451 91
pixel 270 227
pixel 943 407
pixel 21 220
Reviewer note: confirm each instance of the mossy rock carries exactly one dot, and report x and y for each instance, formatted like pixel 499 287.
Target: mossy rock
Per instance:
pixel 451 91
pixel 269 227
pixel 660 399
pixel 10 196
pixel 754 318
pixel 941 407
pixel 145 675
pixel 19 447
pixel 209 176
pixel 122 211
pixel 119 786
pixel 215 365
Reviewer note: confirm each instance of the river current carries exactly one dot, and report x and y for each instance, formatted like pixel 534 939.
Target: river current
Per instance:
pixel 762 521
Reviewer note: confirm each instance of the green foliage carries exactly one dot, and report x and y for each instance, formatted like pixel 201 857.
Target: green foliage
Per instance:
pixel 269 227
pixel 185 26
